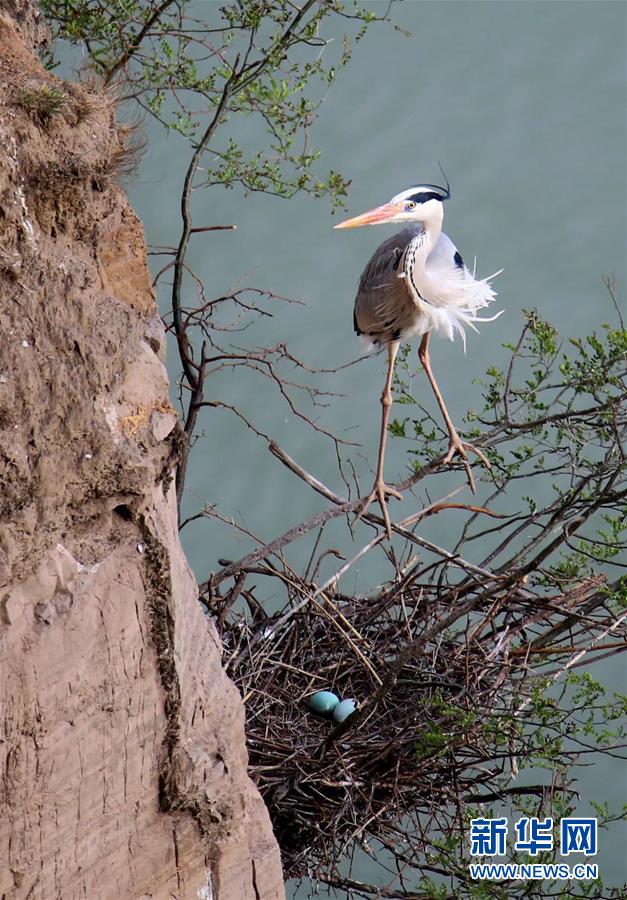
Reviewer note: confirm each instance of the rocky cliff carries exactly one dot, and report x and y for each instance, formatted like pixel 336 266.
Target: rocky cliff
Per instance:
pixel 122 752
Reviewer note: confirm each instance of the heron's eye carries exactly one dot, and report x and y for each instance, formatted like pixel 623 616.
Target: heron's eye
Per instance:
pixel 410 204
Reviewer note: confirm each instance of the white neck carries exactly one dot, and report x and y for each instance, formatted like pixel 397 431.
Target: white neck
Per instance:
pixel 433 226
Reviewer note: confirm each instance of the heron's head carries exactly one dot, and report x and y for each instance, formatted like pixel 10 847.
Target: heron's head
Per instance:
pixel 419 203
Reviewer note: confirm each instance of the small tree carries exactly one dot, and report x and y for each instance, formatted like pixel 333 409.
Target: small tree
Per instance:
pixel 258 58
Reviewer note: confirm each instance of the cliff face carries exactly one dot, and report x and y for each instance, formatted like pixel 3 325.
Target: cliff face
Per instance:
pixel 122 754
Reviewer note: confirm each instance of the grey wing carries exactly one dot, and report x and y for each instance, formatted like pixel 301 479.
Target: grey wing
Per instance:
pixel 383 305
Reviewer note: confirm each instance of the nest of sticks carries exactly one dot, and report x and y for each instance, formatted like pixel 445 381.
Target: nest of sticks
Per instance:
pixel 434 667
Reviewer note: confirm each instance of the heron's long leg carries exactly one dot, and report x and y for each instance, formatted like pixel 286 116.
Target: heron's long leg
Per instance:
pixel 380 487
pixel 456 445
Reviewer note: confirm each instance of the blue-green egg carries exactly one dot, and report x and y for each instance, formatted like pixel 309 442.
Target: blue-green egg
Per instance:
pixel 343 710
pixel 324 701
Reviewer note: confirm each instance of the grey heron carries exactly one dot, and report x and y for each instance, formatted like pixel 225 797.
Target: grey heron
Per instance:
pixel 416 283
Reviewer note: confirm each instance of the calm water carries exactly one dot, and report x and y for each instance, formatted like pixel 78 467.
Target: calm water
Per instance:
pixel 523 103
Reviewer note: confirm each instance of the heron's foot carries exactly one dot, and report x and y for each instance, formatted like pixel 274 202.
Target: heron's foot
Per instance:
pixel 460 448
pixel 380 491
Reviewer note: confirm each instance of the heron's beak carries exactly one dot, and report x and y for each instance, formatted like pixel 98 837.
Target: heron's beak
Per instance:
pixel 376 216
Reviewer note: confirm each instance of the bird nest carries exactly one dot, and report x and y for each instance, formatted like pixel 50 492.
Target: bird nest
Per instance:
pixel 437 671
